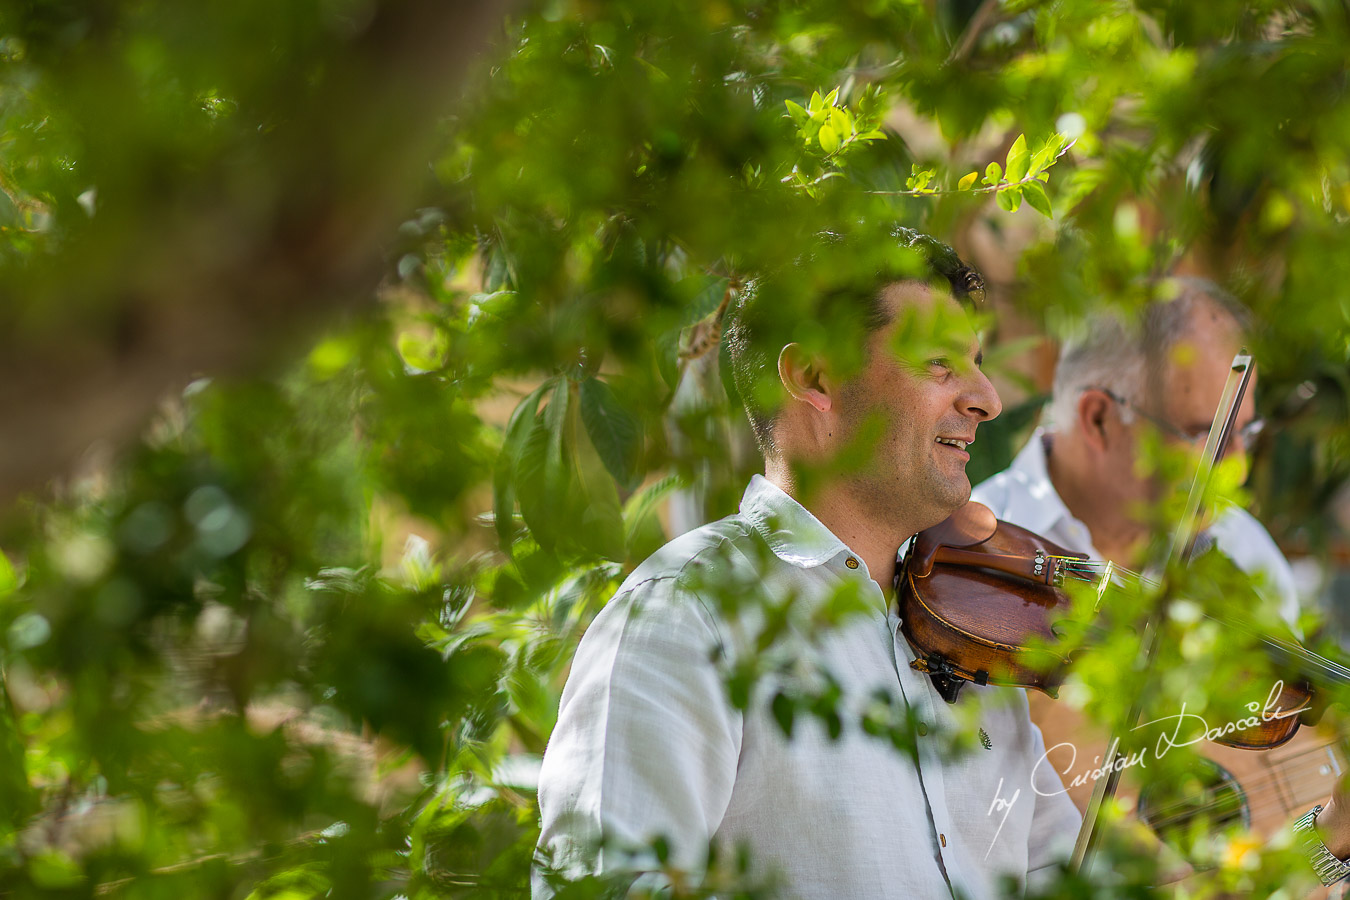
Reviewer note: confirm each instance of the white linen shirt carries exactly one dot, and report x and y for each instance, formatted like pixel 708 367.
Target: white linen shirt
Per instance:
pixel 649 744
pixel 1024 495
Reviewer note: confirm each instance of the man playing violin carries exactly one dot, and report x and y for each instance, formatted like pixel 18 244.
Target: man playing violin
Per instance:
pixel 1078 481
pixel 748 688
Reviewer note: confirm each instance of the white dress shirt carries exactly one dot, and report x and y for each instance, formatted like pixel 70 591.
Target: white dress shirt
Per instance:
pixel 1024 495
pixel 648 742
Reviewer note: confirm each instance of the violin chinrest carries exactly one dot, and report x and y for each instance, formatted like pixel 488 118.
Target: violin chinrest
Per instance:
pixel 969 526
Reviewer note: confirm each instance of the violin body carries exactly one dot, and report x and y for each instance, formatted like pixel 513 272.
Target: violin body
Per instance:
pixel 979 599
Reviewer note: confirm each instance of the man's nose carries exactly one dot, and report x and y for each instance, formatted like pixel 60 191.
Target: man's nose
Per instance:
pixel 981 400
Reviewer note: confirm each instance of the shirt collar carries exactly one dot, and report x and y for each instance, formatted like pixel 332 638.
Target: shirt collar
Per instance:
pixel 792 533
pixel 1045 510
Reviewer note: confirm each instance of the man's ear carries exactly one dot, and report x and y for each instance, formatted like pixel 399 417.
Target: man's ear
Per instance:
pixel 1093 407
pixel 804 379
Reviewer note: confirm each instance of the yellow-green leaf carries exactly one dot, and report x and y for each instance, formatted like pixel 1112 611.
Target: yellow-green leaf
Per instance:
pixel 967 181
pixel 993 173
pixel 839 122
pixel 1017 159
pixel 829 139
pixel 8 580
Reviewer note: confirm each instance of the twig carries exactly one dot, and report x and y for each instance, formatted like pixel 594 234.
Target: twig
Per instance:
pixel 109 887
pixel 933 192
pixel 972 32
pixel 705 334
pixel 988 189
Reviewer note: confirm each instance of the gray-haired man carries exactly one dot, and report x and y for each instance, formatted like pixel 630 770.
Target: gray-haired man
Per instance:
pixel 1077 481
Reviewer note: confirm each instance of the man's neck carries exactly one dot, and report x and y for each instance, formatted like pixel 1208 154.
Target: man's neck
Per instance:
pixel 1115 535
pixel 849 520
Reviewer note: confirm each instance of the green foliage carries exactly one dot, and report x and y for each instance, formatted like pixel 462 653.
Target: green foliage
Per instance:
pixel 222 678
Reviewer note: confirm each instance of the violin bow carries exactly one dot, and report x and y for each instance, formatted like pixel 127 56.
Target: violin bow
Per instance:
pixel 1183 545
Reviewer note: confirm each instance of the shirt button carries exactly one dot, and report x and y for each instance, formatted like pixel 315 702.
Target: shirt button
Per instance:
pixel 851 563
pixel 943 838
pixel 923 729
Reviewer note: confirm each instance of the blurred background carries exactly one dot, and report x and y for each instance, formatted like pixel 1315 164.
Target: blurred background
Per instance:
pixel 351 352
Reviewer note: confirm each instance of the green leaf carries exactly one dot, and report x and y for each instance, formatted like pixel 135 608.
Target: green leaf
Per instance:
pixel 601 523
pixel 839 122
pixel 8 580
pixel 557 468
pixel 784 711
pixel 829 140
pixel 423 354
pixel 1045 156
pixel 538 497
pixel 53 870
pixel 508 462
pixel 1017 159
pixel 993 174
pixel 1036 198
pixel 666 350
pixel 545 482
pixel 18 800
pixel 498 269
pixel 642 527
pixel 1009 199
pixel 615 433
pixel 967 181
pixel 798 114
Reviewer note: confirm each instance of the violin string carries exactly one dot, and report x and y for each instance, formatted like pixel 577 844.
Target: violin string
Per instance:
pixel 1255 789
pixel 1328 669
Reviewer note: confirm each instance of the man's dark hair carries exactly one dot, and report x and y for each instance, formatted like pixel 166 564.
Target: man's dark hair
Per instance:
pixel 831 300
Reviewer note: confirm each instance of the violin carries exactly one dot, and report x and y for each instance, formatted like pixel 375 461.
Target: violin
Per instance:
pixel 980 600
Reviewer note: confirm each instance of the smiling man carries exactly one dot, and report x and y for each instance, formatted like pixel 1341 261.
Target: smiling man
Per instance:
pixel 748 688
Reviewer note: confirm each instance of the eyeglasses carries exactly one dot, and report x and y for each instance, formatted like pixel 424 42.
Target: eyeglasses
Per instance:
pixel 1248 434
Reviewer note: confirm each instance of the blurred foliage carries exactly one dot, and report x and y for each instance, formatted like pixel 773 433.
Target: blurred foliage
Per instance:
pixel 307 636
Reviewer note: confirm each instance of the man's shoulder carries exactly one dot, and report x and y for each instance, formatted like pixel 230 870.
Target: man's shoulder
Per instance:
pixel 726 542
pixel 677 592
pixel 1245 540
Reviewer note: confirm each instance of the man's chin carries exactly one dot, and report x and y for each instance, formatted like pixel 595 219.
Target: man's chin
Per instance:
pixel 947 501
pixel 957 497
